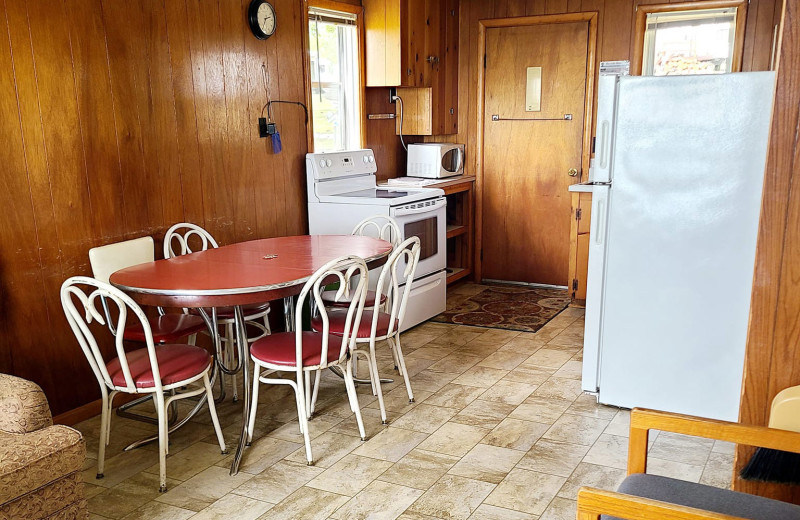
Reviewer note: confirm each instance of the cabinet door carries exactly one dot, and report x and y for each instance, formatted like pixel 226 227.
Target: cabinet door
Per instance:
pixel 415 29
pixel 449 67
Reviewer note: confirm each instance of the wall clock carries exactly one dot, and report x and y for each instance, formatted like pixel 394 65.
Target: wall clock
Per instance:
pixel 262 19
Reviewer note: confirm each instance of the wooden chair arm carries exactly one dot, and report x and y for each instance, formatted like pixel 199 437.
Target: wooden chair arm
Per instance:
pixel 644 420
pixel 594 502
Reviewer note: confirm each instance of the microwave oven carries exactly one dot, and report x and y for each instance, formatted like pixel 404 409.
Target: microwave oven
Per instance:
pixel 435 160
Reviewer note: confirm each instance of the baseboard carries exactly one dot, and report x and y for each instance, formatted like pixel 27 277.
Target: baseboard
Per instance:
pixel 89 410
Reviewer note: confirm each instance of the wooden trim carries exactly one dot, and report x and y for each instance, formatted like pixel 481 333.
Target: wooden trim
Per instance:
pixel 641 22
pixel 92 409
pixel 591 17
pixel 342 7
pixel 595 502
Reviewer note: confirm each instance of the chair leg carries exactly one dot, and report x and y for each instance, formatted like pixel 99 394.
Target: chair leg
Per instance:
pixel 394 343
pixel 251 423
pixel 230 349
pixel 212 409
pixel 315 392
pixel 105 420
pixel 162 441
pixel 350 386
pixel 302 416
pixel 376 380
pixel 266 324
pixel 307 378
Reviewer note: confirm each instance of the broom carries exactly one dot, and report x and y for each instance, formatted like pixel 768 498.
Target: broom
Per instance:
pixel 781 467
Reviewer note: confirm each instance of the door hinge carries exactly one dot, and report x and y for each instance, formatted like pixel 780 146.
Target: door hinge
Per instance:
pixel 578 213
pixel 574 284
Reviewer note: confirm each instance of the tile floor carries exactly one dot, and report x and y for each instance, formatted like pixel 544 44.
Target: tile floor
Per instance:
pixel 499 430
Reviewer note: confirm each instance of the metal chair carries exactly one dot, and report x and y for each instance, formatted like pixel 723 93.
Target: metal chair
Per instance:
pixel 304 352
pixel 164 372
pixel 255 315
pixel 377 325
pixel 378 226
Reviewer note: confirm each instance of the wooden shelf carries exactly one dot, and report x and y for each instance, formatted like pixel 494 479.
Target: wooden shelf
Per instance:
pixel 456 273
pixel 454 230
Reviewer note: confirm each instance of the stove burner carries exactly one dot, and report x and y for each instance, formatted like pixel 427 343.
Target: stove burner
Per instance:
pixel 377 194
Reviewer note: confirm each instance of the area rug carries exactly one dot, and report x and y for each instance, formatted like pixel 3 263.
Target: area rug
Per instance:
pixel 503 306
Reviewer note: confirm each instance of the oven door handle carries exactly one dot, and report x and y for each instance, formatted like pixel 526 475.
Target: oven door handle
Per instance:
pixel 399 212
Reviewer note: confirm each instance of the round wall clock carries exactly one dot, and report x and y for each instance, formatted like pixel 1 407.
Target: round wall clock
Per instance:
pixel 262 20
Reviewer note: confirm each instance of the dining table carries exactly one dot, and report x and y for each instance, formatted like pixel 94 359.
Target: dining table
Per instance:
pixel 237 275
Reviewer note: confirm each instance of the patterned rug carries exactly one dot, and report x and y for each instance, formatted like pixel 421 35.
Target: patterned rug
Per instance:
pixel 503 306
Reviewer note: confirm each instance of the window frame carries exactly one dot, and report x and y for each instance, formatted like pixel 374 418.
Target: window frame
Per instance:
pixel 343 7
pixel 641 27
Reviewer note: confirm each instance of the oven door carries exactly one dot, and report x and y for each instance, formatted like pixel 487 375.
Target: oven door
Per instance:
pixel 426 220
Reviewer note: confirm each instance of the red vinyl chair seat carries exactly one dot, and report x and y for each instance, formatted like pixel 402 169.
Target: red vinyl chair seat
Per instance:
pixel 280 349
pixel 166 329
pixel 175 363
pixel 227 313
pixel 337 318
pixel 329 298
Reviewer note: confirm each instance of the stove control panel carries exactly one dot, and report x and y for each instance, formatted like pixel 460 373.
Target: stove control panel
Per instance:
pixel 332 165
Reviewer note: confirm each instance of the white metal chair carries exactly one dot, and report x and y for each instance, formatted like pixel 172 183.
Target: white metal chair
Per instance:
pixel 149 370
pixel 378 226
pixel 304 352
pixel 256 315
pixel 377 325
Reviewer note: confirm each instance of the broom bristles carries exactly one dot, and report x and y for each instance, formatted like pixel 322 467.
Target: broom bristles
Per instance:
pixel 768 465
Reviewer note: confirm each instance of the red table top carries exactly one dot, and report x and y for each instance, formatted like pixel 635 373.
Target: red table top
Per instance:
pixel 239 274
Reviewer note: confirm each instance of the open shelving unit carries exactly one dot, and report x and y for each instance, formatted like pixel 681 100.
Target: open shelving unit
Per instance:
pixel 460 234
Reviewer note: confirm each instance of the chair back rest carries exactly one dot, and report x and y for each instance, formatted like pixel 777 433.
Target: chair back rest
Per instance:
pixel 181 234
pixel 79 298
pixel 351 273
pixel 391 278
pixel 379 226
pixel 107 259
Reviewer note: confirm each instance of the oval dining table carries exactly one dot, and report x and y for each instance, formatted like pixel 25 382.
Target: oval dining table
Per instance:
pixel 255 271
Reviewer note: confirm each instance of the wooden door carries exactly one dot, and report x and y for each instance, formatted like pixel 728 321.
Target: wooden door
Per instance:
pixel 527 154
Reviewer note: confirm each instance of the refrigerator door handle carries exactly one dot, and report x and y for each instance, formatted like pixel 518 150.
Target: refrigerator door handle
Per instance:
pixel 600 222
pixel 603 137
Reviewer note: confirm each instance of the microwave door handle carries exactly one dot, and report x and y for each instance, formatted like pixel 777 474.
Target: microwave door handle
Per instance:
pixel 422 209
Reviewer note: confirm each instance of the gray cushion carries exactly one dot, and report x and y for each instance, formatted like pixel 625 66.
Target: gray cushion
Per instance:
pixel 707 498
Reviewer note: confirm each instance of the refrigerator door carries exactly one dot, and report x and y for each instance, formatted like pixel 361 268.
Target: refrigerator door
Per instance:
pixel 604 142
pixel 688 170
pixel 594 288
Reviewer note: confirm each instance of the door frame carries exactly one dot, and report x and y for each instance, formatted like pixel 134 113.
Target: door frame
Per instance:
pixel 589 16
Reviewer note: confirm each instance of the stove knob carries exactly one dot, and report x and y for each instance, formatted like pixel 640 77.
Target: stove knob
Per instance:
pixel 371 159
pixel 328 163
pixel 365 159
pixel 322 162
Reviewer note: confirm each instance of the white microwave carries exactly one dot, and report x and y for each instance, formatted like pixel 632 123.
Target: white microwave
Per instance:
pixel 435 160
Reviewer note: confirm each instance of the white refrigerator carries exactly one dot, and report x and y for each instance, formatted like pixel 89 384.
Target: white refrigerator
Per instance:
pixel 676 186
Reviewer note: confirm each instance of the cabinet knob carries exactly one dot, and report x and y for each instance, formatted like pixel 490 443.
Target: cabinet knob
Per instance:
pixel 572 172
pixel 433 60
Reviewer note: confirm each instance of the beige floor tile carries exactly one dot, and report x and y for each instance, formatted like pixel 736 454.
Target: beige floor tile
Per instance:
pixel 508 392
pixel 487 512
pixel 504 360
pixel 594 476
pixel 419 469
pixel 727 448
pixel 425 418
pixel 485 414
pixel 620 425
pixel 278 481
pixel 525 491
pixel 609 450
pixel 434 352
pixel 204 489
pixel 569 337
pixel 413 366
pixel 306 503
pixel 525 343
pixel 452 497
pixel 233 506
pixel 548 358
pixel 157 511
pixel 318 425
pixel 431 381
pixel 515 434
pixel 541 410
pixel 681 448
pixel 576 429
pixel 455 396
pixel 480 347
pixel 391 444
pixel 378 501
pixel 571 370
pixel 456 363
pixel 190 461
pixel 350 475
pixel 327 449
pixel 718 470
pixel 372 423
pixel 483 377
pixel 262 454
pixel 530 374
pixel 554 458
pixel 396 400
pixel 560 509
pixel 127 496
pixel 587 405
pixel 487 463
pixel 121 467
pixel 672 469
pixel 559 388
pixel 454 439
pixel 410 515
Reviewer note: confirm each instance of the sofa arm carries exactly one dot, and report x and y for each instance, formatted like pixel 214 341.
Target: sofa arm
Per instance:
pixel 592 503
pixel 23 406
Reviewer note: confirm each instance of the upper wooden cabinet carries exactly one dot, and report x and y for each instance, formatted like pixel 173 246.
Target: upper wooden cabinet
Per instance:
pixel 414 44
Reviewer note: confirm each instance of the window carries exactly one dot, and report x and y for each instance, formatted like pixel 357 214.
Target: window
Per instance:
pixel 701 40
pixel 335 80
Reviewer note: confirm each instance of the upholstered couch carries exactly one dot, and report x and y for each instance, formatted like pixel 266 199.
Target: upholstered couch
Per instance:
pixel 40 464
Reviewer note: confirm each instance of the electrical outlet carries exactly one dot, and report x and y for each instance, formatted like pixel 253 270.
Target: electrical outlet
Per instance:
pixel 392 94
pixel 262 127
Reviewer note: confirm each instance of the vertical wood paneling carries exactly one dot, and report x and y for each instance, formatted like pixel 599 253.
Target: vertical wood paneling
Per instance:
pixel 119 119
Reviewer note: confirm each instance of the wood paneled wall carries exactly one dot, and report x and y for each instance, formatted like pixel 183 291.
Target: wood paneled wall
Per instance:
pixel 118 119
pixel 614 42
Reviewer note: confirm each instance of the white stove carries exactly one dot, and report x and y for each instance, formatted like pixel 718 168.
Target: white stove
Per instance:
pixel 342 191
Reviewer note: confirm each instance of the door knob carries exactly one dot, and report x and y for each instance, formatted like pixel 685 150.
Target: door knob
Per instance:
pixel 572 172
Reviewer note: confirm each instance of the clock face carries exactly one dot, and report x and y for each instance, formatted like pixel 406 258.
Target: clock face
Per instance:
pixel 266 18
